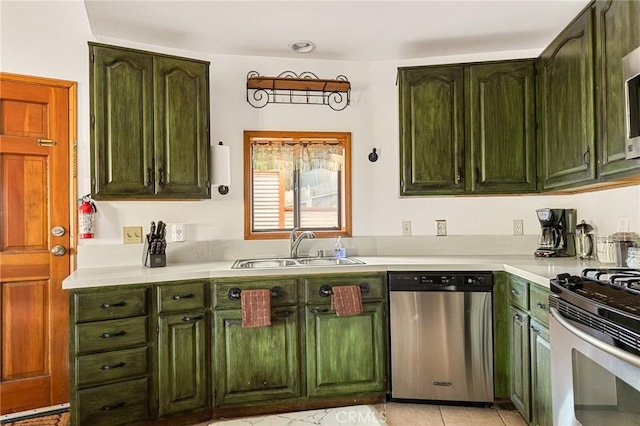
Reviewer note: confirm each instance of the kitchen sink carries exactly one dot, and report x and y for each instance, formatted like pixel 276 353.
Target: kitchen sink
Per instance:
pixel 287 262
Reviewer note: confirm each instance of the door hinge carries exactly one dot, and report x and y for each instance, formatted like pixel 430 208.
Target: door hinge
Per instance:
pixel 157 330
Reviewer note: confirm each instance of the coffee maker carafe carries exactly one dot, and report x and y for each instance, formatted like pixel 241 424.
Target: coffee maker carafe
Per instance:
pixel 557 232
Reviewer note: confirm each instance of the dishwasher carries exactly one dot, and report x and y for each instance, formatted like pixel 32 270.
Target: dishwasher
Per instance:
pixel 441 334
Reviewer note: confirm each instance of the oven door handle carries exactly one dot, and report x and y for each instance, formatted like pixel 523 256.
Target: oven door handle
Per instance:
pixel 611 350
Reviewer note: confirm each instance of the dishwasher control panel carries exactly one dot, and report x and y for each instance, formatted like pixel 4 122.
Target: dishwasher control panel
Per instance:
pixel 440 281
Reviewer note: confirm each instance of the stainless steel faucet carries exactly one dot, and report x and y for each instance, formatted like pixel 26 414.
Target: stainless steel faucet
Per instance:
pixel 297 239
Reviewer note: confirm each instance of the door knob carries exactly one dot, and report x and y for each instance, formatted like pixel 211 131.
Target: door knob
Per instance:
pixel 58 250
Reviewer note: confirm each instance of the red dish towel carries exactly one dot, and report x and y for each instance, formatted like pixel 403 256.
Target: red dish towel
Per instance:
pixel 346 300
pixel 256 308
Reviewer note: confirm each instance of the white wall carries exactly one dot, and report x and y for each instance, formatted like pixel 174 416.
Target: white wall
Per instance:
pixel 49 39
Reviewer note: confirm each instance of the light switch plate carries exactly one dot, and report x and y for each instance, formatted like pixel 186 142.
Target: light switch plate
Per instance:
pixel 132 234
pixel 406 228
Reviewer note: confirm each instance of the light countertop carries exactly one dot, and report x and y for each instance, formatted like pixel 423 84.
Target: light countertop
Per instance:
pixel 537 270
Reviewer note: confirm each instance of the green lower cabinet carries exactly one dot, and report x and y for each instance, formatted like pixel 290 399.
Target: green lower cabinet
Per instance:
pixel 345 355
pixel 519 361
pixel 540 375
pixel 183 375
pixel 257 364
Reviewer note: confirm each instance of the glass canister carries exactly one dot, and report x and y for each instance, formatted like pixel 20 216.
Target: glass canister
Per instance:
pixel 624 240
pixel 605 249
pixel 633 257
pixel 584 241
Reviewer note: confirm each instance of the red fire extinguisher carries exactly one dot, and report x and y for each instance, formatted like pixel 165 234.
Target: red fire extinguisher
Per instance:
pixel 86 217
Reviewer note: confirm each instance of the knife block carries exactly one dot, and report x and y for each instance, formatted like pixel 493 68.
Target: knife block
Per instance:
pixel 153 260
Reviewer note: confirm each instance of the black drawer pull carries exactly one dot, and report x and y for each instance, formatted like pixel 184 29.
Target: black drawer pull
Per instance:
pixel 519 317
pixel 283 313
pixel 113 305
pixel 325 290
pixel 108 335
pixel 535 330
pixel 186 296
pixel 113 407
pixel 234 293
pixel 542 306
pixel 515 292
pixel 318 311
pixel 112 366
pixel 189 319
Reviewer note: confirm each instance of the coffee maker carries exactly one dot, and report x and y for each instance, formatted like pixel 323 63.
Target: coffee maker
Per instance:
pixel 557 233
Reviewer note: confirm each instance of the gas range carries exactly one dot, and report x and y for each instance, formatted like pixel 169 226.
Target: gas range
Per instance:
pixel 604 301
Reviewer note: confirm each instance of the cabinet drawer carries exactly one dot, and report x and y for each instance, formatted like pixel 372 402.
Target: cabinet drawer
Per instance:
pixel 105 367
pixel 519 293
pixel 181 296
pixel 110 335
pixel 284 292
pixel 110 304
pixel 317 289
pixel 539 299
pixel 117 404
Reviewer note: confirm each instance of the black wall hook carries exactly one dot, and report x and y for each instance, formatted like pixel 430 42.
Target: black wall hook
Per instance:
pixel 373 156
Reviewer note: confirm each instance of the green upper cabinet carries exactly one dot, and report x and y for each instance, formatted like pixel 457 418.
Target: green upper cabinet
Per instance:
pixel 149 125
pixel 431 130
pixel 618 33
pixel 468 128
pixel 566 107
pixel 501 127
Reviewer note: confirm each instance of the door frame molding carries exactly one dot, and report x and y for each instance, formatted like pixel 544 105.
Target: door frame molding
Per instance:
pixel 72 88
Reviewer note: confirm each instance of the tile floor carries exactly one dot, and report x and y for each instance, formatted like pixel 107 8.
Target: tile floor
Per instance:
pixel 388 414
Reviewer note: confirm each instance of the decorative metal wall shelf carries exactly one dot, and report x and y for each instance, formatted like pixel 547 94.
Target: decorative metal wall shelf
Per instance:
pixel 291 88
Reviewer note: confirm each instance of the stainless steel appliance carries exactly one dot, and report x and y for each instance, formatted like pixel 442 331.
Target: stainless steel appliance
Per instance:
pixel 631 74
pixel 595 347
pixel 557 232
pixel 441 335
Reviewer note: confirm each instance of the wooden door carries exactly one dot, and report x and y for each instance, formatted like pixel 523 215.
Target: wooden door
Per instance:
pixel 37 123
pixel 567 120
pixel 501 124
pixel 616 37
pixel 519 360
pixel 541 414
pixel 121 89
pixel 181 121
pixel 256 364
pixel 345 355
pixel 182 348
pixel 431 130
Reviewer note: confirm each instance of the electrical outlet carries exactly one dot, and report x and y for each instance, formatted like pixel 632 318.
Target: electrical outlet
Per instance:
pixel 517 227
pixel 178 232
pixel 406 228
pixel 441 227
pixel 132 234
pixel 623 224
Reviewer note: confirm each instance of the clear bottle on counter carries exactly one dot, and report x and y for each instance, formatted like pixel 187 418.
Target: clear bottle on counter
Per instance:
pixel 338 249
pixel 605 249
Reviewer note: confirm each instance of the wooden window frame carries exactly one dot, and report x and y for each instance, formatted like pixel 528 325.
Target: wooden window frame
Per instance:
pixel 249 234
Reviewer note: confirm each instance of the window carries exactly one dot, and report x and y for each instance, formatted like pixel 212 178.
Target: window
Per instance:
pixel 297 179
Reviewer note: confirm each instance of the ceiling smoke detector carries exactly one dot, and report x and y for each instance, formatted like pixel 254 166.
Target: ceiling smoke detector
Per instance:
pixel 302 46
